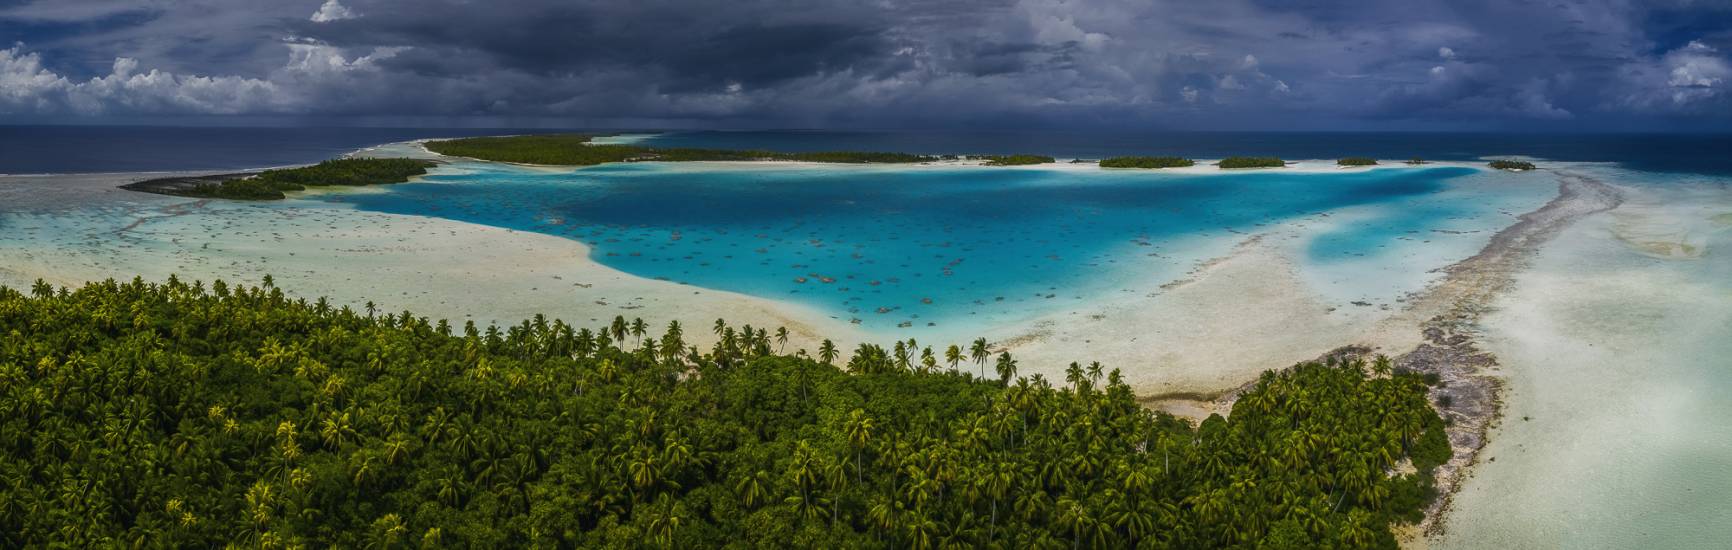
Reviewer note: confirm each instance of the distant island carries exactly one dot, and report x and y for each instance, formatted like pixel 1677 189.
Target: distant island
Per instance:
pixel 1011 160
pixel 1147 162
pixel 1251 162
pixel 271 184
pixel 1512 165
pixel 576 150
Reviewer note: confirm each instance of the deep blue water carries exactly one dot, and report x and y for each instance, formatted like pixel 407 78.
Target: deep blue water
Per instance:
pixel 84 149
pixel 99 149
pixel 889 246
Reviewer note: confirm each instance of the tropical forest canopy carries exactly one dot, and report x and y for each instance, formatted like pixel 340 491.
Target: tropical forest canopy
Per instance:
pixel 193 416
pixel 1011 160
pixel 576 150
pixel 1356 161
pixel 270 184
pixel 1251 162
pixel 1512 165
pixel 1147 162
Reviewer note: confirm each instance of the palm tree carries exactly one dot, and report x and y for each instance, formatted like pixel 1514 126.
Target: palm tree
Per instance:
pixel 858 427
pixel 781 339
pixel 827 352
pixel 753 489
pixel 979 353
pixel 953 355
pixel 1006 368
pixel 638 328
pixel 665 519
pixel 619 328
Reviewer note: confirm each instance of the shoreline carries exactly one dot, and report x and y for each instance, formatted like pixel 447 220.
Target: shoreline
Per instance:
pixel 1472 394
pixel 1436 324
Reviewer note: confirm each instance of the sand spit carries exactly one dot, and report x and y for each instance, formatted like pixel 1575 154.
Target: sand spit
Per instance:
pixel 1436 333
pixel 1453 306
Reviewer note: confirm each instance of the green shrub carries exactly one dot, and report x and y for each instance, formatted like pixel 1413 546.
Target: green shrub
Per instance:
pixel 1356 161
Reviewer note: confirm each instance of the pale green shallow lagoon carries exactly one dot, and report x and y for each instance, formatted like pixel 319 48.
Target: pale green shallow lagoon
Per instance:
pixel 1617 431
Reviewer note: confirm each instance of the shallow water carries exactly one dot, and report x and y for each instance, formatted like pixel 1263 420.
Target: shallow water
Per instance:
pixel 1618 350
pixel 891 247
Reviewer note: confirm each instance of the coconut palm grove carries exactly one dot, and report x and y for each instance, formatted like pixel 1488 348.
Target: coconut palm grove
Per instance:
pixel 202 415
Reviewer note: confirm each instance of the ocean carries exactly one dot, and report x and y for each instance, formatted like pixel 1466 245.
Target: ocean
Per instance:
pixel 95 149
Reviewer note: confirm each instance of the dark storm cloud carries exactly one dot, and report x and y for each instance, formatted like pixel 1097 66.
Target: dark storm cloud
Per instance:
pixel 1228 63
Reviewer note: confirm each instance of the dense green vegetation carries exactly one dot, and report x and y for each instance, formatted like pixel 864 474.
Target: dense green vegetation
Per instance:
pixel 1512 165
pixel 560 149
pixel 271 184
pixel 846 157
pixel 575 150
pixel 176 415
pixel 1251 162
pixel 1356 161
pixel 1012 160
pixel 1147 162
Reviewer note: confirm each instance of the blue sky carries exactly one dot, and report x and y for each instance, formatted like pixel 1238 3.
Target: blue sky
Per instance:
pixel 1592 65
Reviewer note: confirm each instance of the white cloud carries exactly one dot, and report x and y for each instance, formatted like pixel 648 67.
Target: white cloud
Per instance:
pixel 27 87
pixel 24 83
pixel 1680 80
pixel 1446 53
pixel 332 11
pixel 1695 66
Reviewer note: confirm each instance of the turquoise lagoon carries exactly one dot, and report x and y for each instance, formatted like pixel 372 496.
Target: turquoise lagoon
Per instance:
pixel 929 246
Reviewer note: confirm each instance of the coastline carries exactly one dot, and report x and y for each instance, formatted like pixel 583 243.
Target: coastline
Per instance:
pixel 427 265
pixel 1205 355
pixel 1471 396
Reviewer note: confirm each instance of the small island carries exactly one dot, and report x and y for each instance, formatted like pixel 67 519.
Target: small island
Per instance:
pixel 576 150
pixel 1011 160
pixel 271 184
pixel 1147 162
pixel 1512 165
pixel 1251 162
pixel 1356 161
pixel 1416 161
